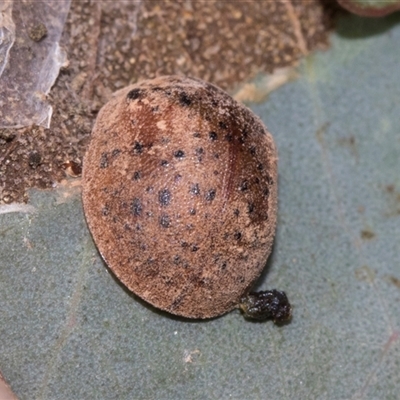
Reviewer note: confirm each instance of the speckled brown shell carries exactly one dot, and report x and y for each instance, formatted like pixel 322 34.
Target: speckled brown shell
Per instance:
pixel 180 194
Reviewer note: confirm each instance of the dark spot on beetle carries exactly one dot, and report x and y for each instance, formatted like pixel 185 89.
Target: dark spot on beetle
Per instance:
pixel 115 152
pixel 216 155
pixel 216 172
pixel 176 259
pixel 270 180
pixel 252 150
pixel 223 266
pixel 137 148
pixel 184 244
pixel 244 186
pixel 241 279
pixel 184 99
pixel 177 177
pixel 136 207
pixel 134 122
pixel 213 136
pixel 266 192
pixel 165 221
pixel 135 94
pixel 250 207
pixel 164 197
pixel 195 248
pixel 105 210
pixel 195 189
pixel 104 160
pixel 256 180
pixel 196 134
pixel 260 166
pixel 199 153
pixel 229 137
pixel 214 103
pixel 179 154
pixel 236 212
pixel 155 109
pixel 210 195
pixel 137 175
pixel 157 89
pixel 192 211
pixel 149 214
pixel 189 227
pixel 226 236
pixel 115 219
pixel 127 227
pixel 222 125
pixel 164 163
pixel 138 227
pixel 149 189
pixel 237 235
pixel 35 159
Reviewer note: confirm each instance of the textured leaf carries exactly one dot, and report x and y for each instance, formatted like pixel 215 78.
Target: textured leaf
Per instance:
pixel 371 8
pixel 70 331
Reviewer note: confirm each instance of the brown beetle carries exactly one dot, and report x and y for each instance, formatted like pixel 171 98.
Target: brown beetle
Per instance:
pixel 180 194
